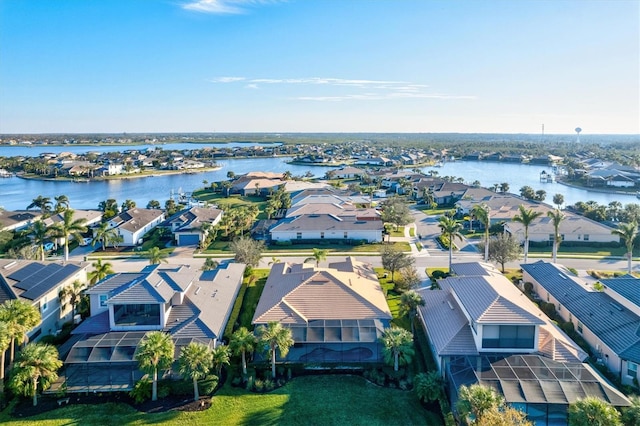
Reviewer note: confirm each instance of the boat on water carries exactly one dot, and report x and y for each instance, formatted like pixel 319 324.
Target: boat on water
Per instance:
pixel 638 194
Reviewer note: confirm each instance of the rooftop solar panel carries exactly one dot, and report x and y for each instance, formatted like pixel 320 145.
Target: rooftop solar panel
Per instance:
pixel 40 275
pixel 28 270
pixel 48 282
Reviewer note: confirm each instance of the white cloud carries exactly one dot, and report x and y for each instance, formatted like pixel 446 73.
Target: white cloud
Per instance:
pixel 370 89
pixel 224 6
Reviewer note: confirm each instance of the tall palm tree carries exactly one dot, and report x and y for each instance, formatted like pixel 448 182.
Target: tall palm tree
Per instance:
pixel 154 353
pixel 409 302
pixel 275 336
pixel 156 256
pixel 318 256
pixel 556 218
pixel 20 317
pixel 221 356
pixel 71 294
pixel 243 341
pixel 100 271
pixel 477 399
pixel 451 229
pixel 36 366
pixel 483 213
pixel 68 227
pixel 62 203
pixel 628 232
pixel 40 232
pixel 5 342
pixel 42 203
pixel 104 234
pixel 398 346
pixel 526 218
pixel 195 361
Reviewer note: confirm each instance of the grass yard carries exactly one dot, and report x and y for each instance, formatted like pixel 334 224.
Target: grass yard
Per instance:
pixel 251 298
pixel 309 400
pixel 222 247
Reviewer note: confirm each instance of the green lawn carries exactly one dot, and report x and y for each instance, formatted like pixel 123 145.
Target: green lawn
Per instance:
pixel 309 400
pixel 222 247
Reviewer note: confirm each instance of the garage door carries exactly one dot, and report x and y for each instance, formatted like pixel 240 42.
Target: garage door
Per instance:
pixel 188 240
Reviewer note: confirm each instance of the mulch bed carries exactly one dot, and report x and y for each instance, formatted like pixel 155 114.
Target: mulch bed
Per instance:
pixel 25 408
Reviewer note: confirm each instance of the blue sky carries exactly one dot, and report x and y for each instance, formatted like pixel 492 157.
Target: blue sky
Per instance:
pixel 319 66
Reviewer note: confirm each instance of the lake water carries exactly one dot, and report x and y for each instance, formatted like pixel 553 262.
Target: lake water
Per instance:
pixel 16 193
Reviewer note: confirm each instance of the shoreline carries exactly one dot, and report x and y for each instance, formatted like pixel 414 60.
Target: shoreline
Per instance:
pixel 600 190
pixel 122 177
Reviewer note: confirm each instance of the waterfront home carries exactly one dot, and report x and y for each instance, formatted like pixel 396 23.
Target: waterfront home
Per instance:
pixel 335 314
pixel 608 320
pixel 340 210
pixel 17 220
pixel 40 283
pixel 348 172
pixel 187 225
pixel 483 329
pixel 327 196
pixel 134 223
pixel 190 305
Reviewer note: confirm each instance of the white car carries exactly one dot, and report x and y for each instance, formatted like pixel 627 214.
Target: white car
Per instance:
pixel 85 241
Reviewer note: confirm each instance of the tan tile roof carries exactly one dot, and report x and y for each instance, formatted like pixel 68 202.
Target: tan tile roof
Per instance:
pixel 303 293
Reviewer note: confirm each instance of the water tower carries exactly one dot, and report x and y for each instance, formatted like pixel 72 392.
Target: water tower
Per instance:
pixel 578 130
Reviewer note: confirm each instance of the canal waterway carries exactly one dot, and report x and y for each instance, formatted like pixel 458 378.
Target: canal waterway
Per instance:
pixel 17 193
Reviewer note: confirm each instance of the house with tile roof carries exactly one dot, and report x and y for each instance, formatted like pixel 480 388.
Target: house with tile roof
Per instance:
pixel 132 224
pixel 327 227
pixel 190 305
pixel 18 219
pixel 608 320
pixel 39 283
pixel 335 314
pixel 187 225
pixel 483 329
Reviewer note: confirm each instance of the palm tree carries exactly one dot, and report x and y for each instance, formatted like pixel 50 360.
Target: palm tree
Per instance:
pixel 128 205
pixel 62 203
pixel 526 218
pixel 475 400
pixel 243 341
pixel 155 352
pixel 194 362
pixel 628 232
pixel 36 366
pixel 398 346
pixel 594 411
pixel 451 229
pixel 68 227
pixel 43 203
pixel 40 232
pixel 482 213
pixel 409 302
pixel 221 356
pixel 5 342
pixel 156 256
pixel 556 217
pixel 71 294
pixel 226 185
pixel 429 386
pixel 318 256
pixel 275 336
pixel 20 317
pixel 104 234
pixel 100 271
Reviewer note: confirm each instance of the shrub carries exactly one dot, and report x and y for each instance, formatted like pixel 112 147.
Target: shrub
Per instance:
pixel 250 383
pixel 208 385
pixel 248 271
pixel 141 390
pixel 180 387
pixel 528 288
pixel 574 271
pixel 269 385
pixel 258 385
pixel 164 389
pixel 438 274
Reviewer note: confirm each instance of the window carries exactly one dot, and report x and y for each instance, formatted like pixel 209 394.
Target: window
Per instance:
pixel 550 237
pixel 561 237
pixel 508 336
pixel 103 300
pixel 345 234
pixel 586 237
pixel 632 369
pixel 299 235
pixel 579 328
pixel 322 235
pixel 44 305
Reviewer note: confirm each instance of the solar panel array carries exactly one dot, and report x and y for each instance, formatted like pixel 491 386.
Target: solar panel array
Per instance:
pixel 37 279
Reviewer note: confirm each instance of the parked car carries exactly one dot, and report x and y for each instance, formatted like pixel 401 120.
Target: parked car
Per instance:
pixel 48 246
pixel 86 241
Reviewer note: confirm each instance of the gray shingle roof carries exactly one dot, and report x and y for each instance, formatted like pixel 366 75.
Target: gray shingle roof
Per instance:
pixel 615 325
pixel 326 222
